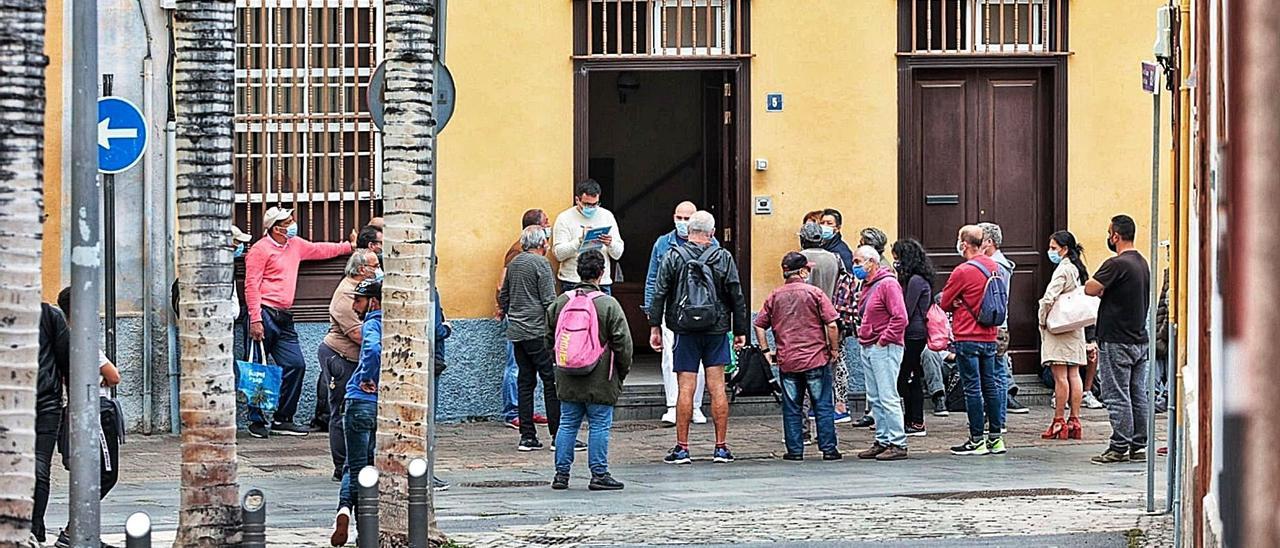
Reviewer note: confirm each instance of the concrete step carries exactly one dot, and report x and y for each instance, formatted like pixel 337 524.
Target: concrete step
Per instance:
pixel 649 402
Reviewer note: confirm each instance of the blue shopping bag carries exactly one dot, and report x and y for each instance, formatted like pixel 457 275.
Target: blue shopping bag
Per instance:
pixel 258 383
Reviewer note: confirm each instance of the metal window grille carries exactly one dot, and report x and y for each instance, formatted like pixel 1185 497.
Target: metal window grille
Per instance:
pixel 987 27
pixel 665 28
pixel 303 136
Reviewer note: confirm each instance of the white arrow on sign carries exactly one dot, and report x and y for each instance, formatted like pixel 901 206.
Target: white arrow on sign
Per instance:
pixel 106 133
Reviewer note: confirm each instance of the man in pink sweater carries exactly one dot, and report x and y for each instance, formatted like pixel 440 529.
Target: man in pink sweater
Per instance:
pixel 270 280
pixel 882 334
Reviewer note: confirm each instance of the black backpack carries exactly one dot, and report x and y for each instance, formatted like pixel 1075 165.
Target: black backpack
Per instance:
pixel 955 400
pixel 754 376
pixel 699 305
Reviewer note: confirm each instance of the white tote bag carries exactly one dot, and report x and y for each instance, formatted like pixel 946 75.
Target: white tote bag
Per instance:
pixel 1073 310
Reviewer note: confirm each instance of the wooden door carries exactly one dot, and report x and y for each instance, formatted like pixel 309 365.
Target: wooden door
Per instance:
pixel 978 148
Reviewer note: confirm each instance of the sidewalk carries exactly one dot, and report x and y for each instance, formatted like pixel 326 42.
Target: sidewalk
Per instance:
pixel 501 497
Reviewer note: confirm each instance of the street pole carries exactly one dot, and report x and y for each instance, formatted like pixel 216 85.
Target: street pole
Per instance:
pixel 1154 259
pixel 86 266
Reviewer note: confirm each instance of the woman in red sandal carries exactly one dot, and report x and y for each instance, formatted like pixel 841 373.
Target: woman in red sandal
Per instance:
pixel 1064 353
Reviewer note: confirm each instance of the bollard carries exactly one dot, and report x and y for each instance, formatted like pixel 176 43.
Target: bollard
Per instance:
pixel 137 531
pixel 253 509
pixel 367 508
pixel 419 490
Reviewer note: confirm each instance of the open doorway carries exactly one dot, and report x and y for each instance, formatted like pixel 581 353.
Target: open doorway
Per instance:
pixel 656 138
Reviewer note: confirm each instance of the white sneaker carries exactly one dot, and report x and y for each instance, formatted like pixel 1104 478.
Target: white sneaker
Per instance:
pixel 698 417
pixel 669 418
pixel 341 527
pixel 1091 402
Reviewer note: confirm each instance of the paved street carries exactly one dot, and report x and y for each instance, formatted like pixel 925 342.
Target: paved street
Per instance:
pixel 1040 494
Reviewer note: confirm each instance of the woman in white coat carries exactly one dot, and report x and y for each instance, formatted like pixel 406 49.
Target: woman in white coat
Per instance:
pixel 1064 353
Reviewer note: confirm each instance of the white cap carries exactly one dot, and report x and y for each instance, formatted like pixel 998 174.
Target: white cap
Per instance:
pixel 238 236
pixel 275 215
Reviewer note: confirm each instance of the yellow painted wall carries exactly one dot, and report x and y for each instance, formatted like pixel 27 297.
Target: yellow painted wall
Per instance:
pixel 836 142
pixel 509 146
pixel 1109 122
pixel 51 260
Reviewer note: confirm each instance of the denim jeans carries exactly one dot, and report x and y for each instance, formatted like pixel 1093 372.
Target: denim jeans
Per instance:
pixel 1122 369
pixel 360 425
pixel 984 389
pixel 510 393
pixel 932 363
pixel 880 365
pixel 818 383
pixel 281 341
pixel 600 422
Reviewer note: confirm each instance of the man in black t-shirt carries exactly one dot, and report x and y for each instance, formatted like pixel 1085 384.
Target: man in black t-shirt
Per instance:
pixel 1124 283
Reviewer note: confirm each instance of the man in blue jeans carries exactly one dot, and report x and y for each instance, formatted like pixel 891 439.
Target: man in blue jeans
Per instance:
pixel 360 418
pixel 975 346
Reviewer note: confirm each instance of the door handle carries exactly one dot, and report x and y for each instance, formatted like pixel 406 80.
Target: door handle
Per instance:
pixel 942 199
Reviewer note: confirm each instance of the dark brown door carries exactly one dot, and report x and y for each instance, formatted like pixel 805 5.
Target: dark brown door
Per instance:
pixel 978 149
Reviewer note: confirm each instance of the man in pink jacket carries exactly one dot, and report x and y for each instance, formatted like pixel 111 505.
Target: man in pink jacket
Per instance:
pixel 882 336
pixel 270 280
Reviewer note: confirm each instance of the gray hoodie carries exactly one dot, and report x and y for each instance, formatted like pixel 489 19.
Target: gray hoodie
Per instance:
pixel 1007 267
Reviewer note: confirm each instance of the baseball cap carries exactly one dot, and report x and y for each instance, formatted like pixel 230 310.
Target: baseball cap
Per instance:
pixel 811 233
pixel 238 236
pixel 275 215
pixel 794 261
pixel 369 288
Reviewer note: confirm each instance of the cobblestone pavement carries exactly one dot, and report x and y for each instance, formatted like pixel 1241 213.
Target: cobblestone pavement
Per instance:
pixel 1040 494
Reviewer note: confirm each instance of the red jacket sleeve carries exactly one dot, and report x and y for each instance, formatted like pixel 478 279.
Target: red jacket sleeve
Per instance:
pixel 254 263
pixel 951 292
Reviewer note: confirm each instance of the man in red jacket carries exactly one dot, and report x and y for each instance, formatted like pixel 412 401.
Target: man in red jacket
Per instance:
pixel 975 346
pixel 882 336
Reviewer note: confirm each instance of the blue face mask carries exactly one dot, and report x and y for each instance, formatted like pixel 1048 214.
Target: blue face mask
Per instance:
pixel 682 229
pixel 828 232
pixel 292 231
pixel 239 252
pixel 589 211
pixel 1054 257
pixel 859 272
pixel 546 232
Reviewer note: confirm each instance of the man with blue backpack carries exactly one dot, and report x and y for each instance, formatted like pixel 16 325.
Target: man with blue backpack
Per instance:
pixel 699 296
pixel 977 296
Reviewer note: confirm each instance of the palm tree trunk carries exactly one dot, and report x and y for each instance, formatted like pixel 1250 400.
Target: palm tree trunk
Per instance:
pixel 204 72
pixel 408 325
pixel 22 63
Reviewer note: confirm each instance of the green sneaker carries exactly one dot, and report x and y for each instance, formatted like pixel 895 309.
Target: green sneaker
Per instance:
pixel 971 447
pixel 996 446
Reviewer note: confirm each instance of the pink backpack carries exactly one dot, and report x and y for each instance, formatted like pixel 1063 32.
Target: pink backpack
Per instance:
pixel 577 343
pixel 939 328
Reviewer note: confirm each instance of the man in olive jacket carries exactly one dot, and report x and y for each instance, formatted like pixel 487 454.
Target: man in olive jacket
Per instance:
pixel 592 395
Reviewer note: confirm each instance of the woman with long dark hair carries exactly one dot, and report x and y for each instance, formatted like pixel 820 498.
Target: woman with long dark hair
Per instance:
pixel 915 274
pixel 1063 353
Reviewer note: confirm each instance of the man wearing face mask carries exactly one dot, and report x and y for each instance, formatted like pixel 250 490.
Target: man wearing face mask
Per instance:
pixel 882 334
pixel 339 352
pixel 992 239
pixel 270 281
pixel 573 224
pixel 825 269
pixel 670 384
pixel 832 240
pixel 360 418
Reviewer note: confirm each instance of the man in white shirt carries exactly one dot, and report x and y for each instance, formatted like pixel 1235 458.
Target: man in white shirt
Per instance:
pixel 571 227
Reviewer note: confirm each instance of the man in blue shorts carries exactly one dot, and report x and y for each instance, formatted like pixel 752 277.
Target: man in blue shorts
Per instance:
pixel 699 295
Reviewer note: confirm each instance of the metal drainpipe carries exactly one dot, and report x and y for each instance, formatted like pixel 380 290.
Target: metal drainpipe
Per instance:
pixel 171 181
pixel 148 184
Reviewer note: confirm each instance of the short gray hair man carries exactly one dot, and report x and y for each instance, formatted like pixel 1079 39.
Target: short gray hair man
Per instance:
pixel 702 222
pixel 533 237
pixel 360 259
pixel 868 253
pixel 991 231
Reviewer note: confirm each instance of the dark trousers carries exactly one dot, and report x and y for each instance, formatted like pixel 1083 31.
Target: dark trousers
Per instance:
pixel 911 382
pixel 281 342
pixel 47 426
pixel 335 372
pixel 534 360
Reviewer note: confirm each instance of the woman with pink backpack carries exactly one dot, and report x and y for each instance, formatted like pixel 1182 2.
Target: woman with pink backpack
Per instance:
pixel 915 274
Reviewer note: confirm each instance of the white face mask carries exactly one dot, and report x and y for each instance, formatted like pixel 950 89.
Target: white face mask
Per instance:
pixel 960 248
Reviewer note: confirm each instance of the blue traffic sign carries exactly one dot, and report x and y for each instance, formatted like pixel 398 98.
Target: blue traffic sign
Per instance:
pixel 773 102
pixel 122 135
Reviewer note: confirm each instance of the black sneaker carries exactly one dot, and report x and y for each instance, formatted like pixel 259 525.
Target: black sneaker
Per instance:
pixel 438 485
pixel 1016 407
pixel 604 482
pixel 793 457
pixel 577 446
pixel 914 430
pixel 1111 456
pixel 289 429
pixel 972 447
pixel 864 422
pixel 940 406
pixel 259 430
pixel 678 455
pixel 529 444
pixel 561 482
pixel 337 475
pixel 832 455
pixel 1138 454
pixel 64 541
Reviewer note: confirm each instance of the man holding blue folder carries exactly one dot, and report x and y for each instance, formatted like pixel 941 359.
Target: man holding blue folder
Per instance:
pixel 583 227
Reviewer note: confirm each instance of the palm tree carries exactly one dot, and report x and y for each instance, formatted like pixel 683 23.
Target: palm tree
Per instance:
pixel 409 200
pixel 204 73
pixel 22 63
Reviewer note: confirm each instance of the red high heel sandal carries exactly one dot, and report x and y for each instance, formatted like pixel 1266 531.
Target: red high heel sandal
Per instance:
pixel 1074 431
pixel 1057 430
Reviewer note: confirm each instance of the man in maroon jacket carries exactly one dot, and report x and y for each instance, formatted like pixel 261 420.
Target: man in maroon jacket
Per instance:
pixel 975 346
pixel 882 336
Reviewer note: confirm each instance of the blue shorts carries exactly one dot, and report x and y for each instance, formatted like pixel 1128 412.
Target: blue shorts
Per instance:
pixel 692 350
